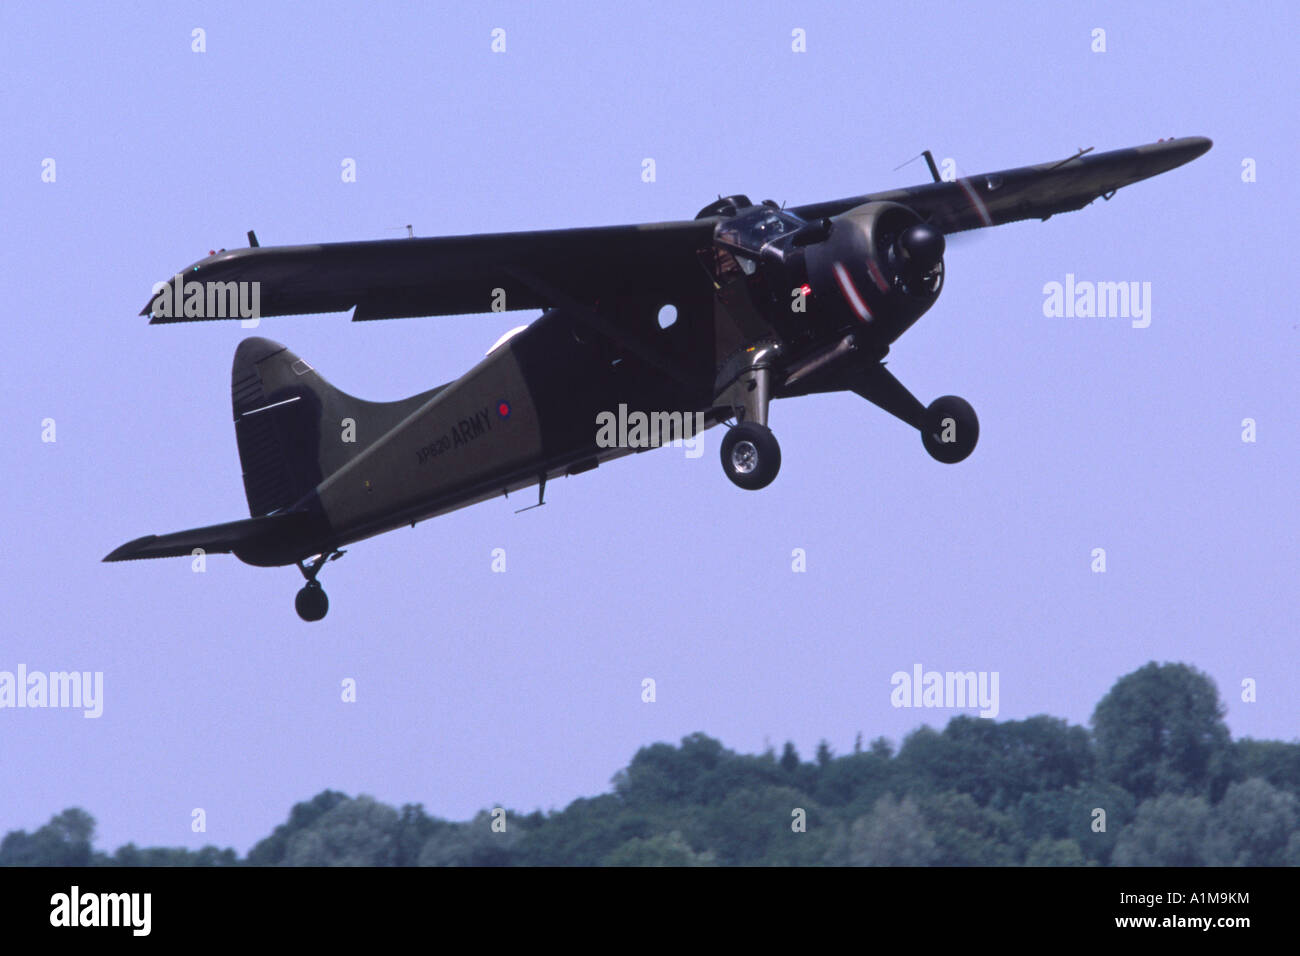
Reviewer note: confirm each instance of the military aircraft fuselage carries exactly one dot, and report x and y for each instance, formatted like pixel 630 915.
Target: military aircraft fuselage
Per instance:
pixel 529 409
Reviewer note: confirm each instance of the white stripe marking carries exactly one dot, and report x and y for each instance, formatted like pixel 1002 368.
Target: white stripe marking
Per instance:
pixel 981 209
pixel 254 411
pixel 850 292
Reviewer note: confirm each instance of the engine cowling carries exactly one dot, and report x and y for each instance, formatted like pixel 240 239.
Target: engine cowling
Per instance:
pixel 879 269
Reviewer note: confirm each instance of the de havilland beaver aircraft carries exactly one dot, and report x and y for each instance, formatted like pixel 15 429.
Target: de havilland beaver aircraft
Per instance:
pixel 770 303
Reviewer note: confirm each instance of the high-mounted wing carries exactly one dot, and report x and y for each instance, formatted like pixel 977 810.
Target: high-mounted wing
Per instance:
pixel 401 278
pixel 1028 192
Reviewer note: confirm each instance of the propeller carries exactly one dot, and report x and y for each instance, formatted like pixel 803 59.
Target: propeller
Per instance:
pixel 917 250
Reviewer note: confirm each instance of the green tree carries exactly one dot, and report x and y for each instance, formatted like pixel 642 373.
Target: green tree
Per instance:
pixel 1160 730
pixel 414 828
pixel 824 754
pixel 360 832
pixel 475 843
pixel 1252 824
pixel 214 856
pixel 271 851
pixel 859 779
pixel 131 855
pixel 1169 830
pixel 1270 760
pixel 1072 814
pixel 662 774
pixel 584 833
pixel 789 758
pixel 753 827
pixel 966 834
pixel 1049 852
pixel 64 841
pixel 894 833
pixel 995 763
pixel 735 772
pixel 668 849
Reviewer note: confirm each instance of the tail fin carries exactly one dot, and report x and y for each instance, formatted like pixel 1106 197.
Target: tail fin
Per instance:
pixel 293 427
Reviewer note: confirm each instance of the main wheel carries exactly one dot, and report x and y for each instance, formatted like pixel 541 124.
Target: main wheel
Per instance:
pixel 751 456
pixel 951 429
pixel 311 602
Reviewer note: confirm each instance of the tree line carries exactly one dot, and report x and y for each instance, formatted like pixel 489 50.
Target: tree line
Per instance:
pixel 1156 780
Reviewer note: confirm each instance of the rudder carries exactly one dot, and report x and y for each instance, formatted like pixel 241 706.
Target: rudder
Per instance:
pixel 289 424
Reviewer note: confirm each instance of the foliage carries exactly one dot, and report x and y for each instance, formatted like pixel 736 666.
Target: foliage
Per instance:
pixel 894 833
pixel 1160 730
pixel 1157 782
pixel 661 850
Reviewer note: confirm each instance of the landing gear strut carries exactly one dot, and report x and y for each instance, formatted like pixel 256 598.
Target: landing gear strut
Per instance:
pixel 311 602
pixel 751 456
pixel 948 426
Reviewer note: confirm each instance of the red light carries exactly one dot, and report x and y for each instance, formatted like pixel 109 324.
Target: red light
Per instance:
pixel 805 289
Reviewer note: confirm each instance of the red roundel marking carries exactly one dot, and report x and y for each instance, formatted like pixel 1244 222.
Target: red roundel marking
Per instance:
pixel 503 409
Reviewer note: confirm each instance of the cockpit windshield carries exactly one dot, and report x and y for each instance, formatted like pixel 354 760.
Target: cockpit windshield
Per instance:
pixel 756 229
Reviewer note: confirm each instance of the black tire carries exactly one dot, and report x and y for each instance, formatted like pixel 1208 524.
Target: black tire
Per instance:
pixel 953 419
pixel 311 602
pixel 751 456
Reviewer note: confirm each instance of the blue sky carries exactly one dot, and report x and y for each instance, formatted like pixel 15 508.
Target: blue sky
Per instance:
pixel 523 689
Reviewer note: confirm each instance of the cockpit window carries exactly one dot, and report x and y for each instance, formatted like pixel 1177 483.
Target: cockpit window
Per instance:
pixel 756 229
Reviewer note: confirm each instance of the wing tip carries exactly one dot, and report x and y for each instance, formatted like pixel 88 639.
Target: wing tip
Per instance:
pixel 1180 150
pixel 131 550
pixel 1202 145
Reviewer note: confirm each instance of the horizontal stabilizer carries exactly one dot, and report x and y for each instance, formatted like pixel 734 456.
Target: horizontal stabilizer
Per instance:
pixel 266 541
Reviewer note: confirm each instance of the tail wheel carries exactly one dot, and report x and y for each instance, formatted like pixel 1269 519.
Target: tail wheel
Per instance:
pixel 311 602
pixel 751 456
